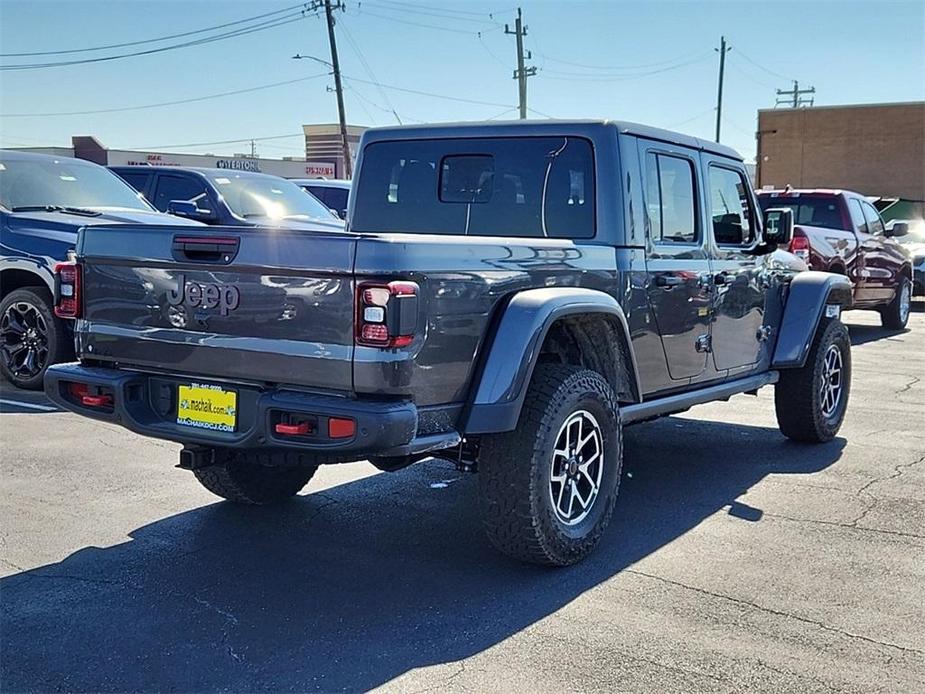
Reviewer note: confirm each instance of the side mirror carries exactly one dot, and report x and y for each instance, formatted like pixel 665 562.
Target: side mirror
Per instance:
pixel 897 229
pixel 778 226
pixel 188 210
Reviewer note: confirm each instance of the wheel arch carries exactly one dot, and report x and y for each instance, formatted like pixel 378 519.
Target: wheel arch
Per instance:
pixel 574 326
pixel 808 296
pixel 12 279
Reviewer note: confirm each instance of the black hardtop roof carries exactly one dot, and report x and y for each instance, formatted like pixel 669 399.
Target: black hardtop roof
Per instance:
pixel 538 128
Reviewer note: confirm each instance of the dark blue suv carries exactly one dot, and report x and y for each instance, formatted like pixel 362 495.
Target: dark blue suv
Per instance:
pixel 229 197
pixel 44 202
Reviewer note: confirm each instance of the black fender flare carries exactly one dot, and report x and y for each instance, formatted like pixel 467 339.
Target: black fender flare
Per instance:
pixel 501 383
pixel 808 296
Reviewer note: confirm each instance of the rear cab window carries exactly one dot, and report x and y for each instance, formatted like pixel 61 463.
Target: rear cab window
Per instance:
pixel 525 186
pixel 808 209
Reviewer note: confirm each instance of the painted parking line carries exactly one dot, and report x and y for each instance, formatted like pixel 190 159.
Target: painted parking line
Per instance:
pixel 28 405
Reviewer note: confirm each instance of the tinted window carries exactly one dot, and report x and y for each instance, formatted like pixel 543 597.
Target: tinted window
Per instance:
pixel 670 199
pixel 187 188
pixel 542 186
pixel 136 179
pixel 336 198
pixel 857 217
pixel 817 211
pixel 320 193
pixel 730 207
pixel 874 223
pixel 63 182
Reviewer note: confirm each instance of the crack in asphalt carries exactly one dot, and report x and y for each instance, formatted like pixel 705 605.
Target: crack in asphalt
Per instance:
pixel 908 386
pixel 230 622
pixel 779 613
pixel 897 471
pixel 847 526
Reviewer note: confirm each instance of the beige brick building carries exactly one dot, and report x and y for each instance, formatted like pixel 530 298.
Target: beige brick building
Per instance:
pixel 876 149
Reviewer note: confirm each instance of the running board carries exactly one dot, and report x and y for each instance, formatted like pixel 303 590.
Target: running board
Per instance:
pixel 672 404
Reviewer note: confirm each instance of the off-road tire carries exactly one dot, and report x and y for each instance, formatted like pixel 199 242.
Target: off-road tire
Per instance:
pixel 514 469
pixel 892 316
pixel 258 478
pixel 60 347
pixel 798 397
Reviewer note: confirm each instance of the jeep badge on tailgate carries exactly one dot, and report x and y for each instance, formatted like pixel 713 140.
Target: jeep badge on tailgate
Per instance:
pixel 225 296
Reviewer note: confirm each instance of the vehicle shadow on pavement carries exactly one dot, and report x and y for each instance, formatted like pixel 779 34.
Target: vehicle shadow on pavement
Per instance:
pixel 862 334
pixel 351 587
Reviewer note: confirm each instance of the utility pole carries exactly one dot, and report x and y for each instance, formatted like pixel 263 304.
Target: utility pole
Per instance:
pixel 521 73
pixel 723 49
pixel 338 86
pixel 794 97
pixel 253 149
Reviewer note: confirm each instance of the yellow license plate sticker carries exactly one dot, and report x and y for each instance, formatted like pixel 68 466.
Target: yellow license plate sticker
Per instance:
pixel 207 407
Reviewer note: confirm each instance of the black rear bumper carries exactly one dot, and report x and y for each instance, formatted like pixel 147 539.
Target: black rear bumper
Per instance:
pixel 146 404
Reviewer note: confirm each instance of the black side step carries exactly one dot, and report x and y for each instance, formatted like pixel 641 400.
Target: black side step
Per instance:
pixel 671 404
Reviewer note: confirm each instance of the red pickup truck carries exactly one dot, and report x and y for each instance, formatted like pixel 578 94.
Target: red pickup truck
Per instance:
pixel 840 231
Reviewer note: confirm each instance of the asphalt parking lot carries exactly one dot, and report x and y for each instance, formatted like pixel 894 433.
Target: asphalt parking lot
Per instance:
pixel 737 561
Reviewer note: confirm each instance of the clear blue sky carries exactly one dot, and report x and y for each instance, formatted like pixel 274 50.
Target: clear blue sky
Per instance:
pixel 659 65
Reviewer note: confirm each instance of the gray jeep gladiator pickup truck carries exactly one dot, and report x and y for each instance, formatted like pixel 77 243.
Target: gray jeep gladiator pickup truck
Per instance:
pixel 507 296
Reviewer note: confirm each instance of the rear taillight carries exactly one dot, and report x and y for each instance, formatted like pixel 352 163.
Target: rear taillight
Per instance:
pixel 386 314
pixel 67 290
pixel 799 246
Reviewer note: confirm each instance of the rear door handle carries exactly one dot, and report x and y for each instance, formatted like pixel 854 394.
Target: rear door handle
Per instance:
pixel 667 281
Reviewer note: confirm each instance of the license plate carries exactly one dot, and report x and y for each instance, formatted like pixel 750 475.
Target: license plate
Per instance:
pixel 207 407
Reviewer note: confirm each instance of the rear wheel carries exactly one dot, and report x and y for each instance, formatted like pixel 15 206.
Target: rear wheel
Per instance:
pixel 547 489
pixel 31 337
pixel 811 401
pixel 896 315
pixel 247 477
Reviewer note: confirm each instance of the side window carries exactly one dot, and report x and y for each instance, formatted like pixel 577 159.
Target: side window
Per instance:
pixel 137 180
pixel 730 207
pixel 180 188
pixel 857 216
pixel 874 223
pixel 320 193
pixel 670 199
pixel 337 198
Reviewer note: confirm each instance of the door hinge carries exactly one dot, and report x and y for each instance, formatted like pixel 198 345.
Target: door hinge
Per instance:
pixel 704 343
pixel 764 333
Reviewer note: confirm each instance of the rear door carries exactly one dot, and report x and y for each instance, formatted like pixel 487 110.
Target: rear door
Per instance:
pixel 738 296
pixel 882 259
pixel 677 262
pixel 227 302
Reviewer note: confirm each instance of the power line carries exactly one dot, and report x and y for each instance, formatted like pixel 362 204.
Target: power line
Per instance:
pixel 217 142
pixel 164 103
pixel 641 66
pixel 417 24
pixel 762 67
pixel 419 7
pixel 431 94
pixel 156 40
pixel 421 10
pixel 590 77
pixel 369 70
pixel 276 22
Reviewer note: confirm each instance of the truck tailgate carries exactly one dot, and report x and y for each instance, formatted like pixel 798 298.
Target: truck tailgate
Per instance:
pixel 255 304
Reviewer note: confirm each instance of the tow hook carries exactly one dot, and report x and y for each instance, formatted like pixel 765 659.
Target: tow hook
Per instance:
pixel 196 458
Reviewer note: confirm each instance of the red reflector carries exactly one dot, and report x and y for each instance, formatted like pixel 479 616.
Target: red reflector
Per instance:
pixel 799 243
pixel 401 341
pixel 78 390
pixel 293 429
pixel 375 332
pixel 96 400
pixel 341 428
